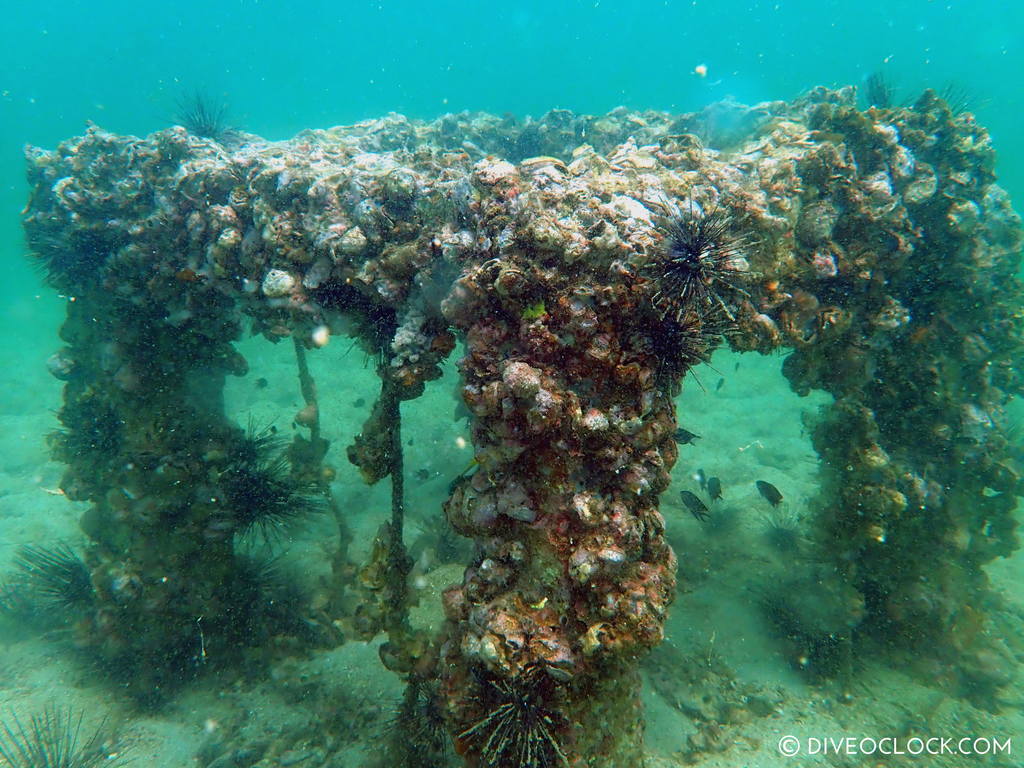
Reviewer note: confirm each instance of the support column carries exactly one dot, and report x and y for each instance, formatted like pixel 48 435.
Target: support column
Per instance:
pixel 572 426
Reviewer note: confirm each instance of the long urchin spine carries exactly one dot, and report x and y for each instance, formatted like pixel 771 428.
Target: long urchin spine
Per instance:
pixel 698 258
pixel 522 725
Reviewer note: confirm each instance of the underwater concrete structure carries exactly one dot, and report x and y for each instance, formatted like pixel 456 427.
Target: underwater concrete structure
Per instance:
pixel 586 263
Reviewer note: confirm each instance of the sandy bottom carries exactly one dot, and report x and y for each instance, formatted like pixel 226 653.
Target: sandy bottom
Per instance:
pixel 722 692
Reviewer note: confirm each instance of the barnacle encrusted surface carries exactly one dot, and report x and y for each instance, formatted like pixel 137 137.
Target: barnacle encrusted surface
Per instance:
pixel 875 245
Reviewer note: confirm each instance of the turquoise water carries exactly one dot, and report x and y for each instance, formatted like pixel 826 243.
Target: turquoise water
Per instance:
pixel 282 67
pixel 287 66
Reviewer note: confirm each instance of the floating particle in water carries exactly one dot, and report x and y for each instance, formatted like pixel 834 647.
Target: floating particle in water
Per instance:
pixel 770 492
pixel 714 488
pixel 321 335
pixel 685 436
pixel 697 507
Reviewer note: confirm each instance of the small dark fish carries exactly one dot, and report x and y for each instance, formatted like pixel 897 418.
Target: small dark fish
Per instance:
pixel 770 493
pixel 702 479
pixel 718 386
pixel 697 507
pixel 714 488
pixel 685 436
pixel 359 402
pixel 423 474
pixel 737 366
pixel 261 383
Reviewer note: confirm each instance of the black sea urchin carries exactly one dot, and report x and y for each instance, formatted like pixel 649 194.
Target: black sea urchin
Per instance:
pixel 91 427
pixel 419 734
pixel 203 116
pixel 54 739
pixel 259 490
pixel 264 597
pixel 521 725
pixel 258 444
pixel 682 341
pixel 53 578
pixel 69 262
pixel 879 91
pixel 700 254
pixel 782 531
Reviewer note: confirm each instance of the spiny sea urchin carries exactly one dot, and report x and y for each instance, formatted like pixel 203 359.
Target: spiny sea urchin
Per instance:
pixel 68 263
pixel 91 427
pixel 203 116
pixel 54 578
pixel 259 490
pixel 879 91
pixel 700 254
pixel 783 531
pixel 419 734
pixel 521 724
pixel 54 739
pixel 680 342
pixel 264 597
pixel 258 443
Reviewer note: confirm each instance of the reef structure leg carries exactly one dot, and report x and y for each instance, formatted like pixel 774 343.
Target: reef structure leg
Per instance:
pixel 143 434
pixel 171 482
pixel 919 478
pixel 572 578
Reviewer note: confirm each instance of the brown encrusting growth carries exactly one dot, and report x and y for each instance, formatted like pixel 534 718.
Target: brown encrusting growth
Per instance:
pixel 585 279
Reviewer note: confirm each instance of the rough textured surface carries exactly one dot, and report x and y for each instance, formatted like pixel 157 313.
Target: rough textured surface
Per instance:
pixel 874 244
